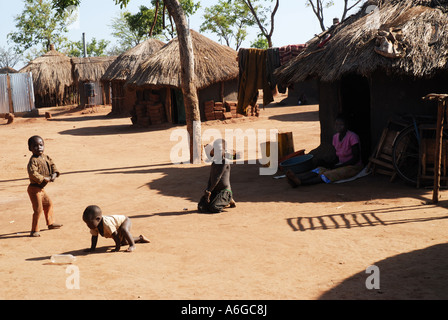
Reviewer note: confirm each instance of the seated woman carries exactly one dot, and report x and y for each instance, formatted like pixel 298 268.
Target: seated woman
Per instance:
pixel 348 151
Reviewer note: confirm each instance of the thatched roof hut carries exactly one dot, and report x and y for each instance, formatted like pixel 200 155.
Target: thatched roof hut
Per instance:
pixel 90 68
pixel 88 71
pixel 127 63
pixel 216 78
pixel 122 68
pixel 376 64
pixel 7 70
pixel 52 75
pixel 420 28
pixel 213 63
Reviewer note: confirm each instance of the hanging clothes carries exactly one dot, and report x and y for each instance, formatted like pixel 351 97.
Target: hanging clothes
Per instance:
pixel 252 77
pixel 272 63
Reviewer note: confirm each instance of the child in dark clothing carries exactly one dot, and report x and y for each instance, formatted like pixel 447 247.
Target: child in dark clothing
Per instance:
pixel 41 171
pixel 218 194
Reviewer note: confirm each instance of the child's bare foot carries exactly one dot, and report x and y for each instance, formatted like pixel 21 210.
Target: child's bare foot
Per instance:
pixel 143 239
pixel 292 179
pixel 130 249
pixel 54 226
pixel 34 234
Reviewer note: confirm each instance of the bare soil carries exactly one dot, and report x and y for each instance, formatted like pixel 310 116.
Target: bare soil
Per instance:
pixel 309 243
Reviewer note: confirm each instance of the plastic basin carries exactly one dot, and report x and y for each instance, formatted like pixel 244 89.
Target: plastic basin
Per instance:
pixel 298 164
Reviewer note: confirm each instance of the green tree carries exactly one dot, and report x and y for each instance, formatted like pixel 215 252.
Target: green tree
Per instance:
pixel 229 20
pixel 38 26
pixel 260 43
pixel 142 22
pixel 94 48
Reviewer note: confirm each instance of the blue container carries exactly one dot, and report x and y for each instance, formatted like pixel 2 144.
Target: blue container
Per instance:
pixel 298 164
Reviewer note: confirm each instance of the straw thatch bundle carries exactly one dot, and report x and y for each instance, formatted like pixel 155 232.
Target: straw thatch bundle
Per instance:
pixel 213 63
pixel 52 73
pixel 7 70
pixel 127 63
pixel 90 68
pixel 421 30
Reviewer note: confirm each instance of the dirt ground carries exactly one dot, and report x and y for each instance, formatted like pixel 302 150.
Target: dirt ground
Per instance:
pixel 279 243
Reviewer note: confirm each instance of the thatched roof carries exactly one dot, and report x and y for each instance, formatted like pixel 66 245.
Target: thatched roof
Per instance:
pixel 7 70
pixel 90 68
pixel 127 63
pixel 419 27
pixel 213 63
pixel 52 72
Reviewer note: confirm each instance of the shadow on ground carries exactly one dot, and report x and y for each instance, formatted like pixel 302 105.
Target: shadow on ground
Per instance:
pixel 420 274
pixel 248 185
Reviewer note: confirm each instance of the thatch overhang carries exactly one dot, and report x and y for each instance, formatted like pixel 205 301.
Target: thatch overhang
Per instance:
pixel 6 70
pixel 90 68
pixel 52 73
pixel 127 63
pixel 423 29
pixel 213 63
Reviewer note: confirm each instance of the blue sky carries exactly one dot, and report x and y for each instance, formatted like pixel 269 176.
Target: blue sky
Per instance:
pixel 294 22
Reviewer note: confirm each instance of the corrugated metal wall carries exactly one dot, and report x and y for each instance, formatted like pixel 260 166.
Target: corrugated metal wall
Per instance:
pixel 4 98
pixel 22 92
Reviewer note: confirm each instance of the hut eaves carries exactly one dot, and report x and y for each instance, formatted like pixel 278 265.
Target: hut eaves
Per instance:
pixel 127 63
pixel 351 48
pixel 213 63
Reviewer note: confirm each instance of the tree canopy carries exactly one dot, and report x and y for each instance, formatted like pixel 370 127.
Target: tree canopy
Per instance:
pixel 39 25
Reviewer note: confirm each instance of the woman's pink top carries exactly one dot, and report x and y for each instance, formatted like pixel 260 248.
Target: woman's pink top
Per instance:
pixel 344 147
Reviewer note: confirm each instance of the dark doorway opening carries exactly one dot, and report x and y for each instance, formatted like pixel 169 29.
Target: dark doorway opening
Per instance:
pixel 355 102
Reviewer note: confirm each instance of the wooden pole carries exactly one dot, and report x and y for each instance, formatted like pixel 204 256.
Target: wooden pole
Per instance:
pixel 438 152
pixel 8 84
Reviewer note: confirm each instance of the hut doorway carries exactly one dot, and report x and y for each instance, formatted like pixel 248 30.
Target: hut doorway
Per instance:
pixel 178 107
pixel 355 104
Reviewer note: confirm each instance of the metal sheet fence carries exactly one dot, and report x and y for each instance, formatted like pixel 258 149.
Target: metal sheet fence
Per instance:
pixel 21 91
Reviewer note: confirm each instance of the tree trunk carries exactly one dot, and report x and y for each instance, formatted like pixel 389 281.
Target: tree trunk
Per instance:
pixel 189 91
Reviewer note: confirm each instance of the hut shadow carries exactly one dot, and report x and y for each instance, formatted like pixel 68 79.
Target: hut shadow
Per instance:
pixel 248 185
pixel 113 130
pixel 420 274
pixel 299 116
pixel 80 119
pixel 359 219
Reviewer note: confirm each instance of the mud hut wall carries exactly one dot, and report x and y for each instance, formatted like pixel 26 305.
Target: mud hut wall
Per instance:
pixel 309 88
pixel 218 92
pixel 329 108
pixel 401 95
pixel 122 98
pixel 99 93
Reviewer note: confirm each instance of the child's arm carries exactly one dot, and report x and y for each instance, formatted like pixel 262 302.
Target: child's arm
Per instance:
pixel 54 171
pixel 93 244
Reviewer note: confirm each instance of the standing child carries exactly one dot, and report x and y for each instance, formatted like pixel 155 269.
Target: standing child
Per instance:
pixel 117 227
pixel 41 171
